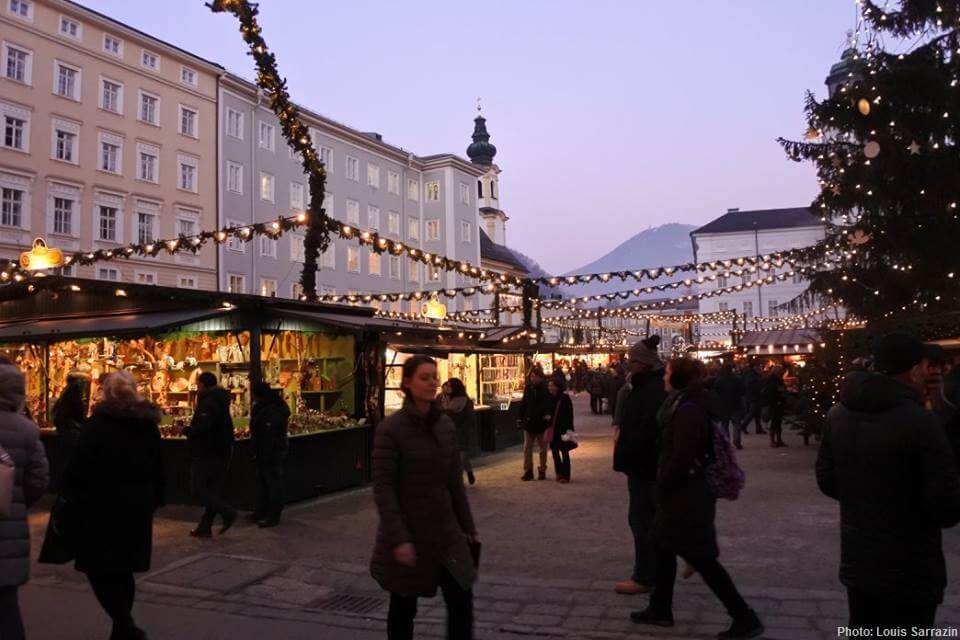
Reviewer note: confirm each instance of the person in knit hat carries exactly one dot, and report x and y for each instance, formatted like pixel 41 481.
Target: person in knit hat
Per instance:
pixel 635 453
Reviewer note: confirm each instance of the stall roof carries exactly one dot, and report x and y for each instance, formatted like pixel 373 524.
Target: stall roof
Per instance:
pixel 114 324
pixel 779 338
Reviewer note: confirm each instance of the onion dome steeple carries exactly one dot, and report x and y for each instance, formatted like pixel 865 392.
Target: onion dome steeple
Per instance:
pixel 481 151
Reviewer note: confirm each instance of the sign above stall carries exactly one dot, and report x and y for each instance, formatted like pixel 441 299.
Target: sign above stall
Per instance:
pixel 41 257
pixel 434 309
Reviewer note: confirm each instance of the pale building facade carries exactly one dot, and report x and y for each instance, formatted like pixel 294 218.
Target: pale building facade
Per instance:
pixel 109 138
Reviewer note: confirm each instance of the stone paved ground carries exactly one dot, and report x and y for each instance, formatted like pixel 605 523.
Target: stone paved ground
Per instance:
pixel 551 555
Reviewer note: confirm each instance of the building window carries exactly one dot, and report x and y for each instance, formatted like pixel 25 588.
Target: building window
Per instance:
pixel 234 123
pixel 188 173
pixel 296 195
pixel 268 247
pixel 11 207
pixel 144 277
pixel 413 189
pixel 111 96
pixel 413 229
pixel 146 227
pixel 772 308
pixel 353 259
pixel 15 132
pixel 393 223
pixel 149 108
pixel 108 273
pixel 413 271
pixel 353 213
pixel 268 288
pixel 479 188
pixel 393 182
pixel 147 168
pixel 297 250
pixel 22 9
pixel 373 218
pixel 748 309
pixel 70 28
pixel 432 230
pixel 373 175
pixel 188 121
pixel 724 306
pixel 112 45
pixel 187 282
pixel 464 193
pixel 236 283
pixel 17 66
pixel 493 189
pixel 65 141
pixel 326 157
pixel 66 81
pixel 150 60
pixel 374 263
pixel 234 177
pixel 466 231
pixel 186 227
pixel 353 169
pixel 188 76
pixel 234 243
pixel 266 187
pixel 266 136
pixel 63 216
pixel 296 290
pixel 110 155
pixel 721 282
pixel 328 260
pixel 394 267
pixel 433 275
pixel 433 191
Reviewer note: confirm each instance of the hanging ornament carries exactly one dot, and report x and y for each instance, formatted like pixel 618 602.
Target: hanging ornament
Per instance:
pixel 858 237
pixel 914 148
pixel 871 149
pixel 812 133
pixel 864 106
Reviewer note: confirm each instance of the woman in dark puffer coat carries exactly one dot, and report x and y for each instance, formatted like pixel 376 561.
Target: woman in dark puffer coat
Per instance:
pixel 426 528
pixel 20 438
pixel 684 523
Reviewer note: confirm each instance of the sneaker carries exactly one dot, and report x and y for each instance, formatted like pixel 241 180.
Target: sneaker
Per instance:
pixel 655 618
pixel 527 475
pixel 631 587
pixel 749 626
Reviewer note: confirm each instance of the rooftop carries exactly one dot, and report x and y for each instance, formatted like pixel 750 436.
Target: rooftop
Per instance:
pixel 490 250
pixel 734 220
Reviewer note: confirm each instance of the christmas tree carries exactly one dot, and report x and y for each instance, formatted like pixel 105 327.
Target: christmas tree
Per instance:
pixel 885 147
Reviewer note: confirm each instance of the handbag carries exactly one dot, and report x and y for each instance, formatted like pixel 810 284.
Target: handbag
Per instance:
pixel 569 440
pixel 59 542
pixel 8 476
pixel 548 434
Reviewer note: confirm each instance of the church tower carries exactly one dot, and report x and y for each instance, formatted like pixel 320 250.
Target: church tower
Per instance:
pixel 481 153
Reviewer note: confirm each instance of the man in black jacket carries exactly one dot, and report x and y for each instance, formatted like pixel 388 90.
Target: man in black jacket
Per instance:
pixel 538 406
pixel 889 464
pixel 635 452
pixel 210 436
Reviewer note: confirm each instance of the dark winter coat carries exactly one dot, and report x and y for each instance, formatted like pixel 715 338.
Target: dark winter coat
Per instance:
pixel 537 405
pixel 418 488
pixel 686 508
pixel 21 439
pixel 115 480
pixel 773 394
pixel 597 384
pixel 753 383
pixel 638 447
pixel 612 388
pixel 888 462
pixel 731 390
pixel 460 411
pixel 268 431
pixel 564 419
pixel 210 433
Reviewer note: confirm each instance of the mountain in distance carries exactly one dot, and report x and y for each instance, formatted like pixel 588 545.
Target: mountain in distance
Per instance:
pixel 534 270
pixel 662 246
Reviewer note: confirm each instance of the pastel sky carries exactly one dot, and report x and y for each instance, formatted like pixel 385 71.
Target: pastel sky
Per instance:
pixel 609 116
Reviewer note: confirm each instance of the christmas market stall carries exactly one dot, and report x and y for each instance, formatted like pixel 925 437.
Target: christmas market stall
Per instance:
pixel 58 329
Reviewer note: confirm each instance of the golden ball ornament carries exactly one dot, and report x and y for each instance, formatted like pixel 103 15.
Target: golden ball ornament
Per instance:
pixel 864 106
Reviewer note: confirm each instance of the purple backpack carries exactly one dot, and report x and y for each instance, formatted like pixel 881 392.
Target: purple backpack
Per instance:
pixel 721 471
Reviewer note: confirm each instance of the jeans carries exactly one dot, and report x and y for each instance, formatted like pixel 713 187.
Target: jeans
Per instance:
pixel 713 574
pixel 561 460
pixel 11 624
pixel 869 611
pixel 115 593
pixel 642 508
pixel 403 609
pixel 207 478
pixel 528 441
pixel 270 495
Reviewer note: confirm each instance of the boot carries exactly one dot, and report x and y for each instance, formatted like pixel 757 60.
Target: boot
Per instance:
pixel 747 626
pixel 542 473
pixel 527 475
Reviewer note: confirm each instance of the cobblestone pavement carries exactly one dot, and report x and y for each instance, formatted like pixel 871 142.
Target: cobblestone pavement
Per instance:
pixel 551 555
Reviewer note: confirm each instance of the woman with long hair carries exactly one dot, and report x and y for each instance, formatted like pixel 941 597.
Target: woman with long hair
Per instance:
pixel 684 522
pixel 459 407
pixel 562 423
pixel 115 479
pixel 69 412
pixel 426 528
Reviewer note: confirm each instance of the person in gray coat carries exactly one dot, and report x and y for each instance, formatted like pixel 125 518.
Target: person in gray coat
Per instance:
pixel 426 529
pixel 20 438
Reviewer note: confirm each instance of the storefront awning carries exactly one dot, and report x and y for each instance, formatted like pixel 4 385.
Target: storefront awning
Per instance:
pixel 785 341
pixel 108 325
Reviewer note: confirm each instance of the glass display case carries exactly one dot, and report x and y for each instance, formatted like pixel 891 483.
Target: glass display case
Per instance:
pixel 501 378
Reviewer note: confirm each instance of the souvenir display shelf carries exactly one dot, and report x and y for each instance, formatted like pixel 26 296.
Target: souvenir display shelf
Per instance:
pixel 501 378
pixel 454 365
